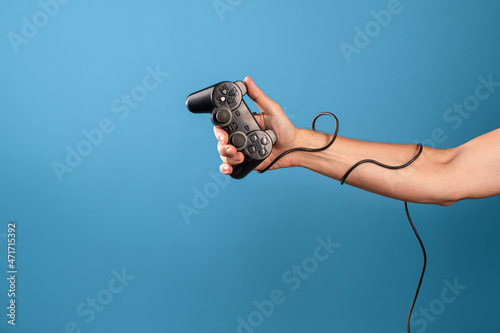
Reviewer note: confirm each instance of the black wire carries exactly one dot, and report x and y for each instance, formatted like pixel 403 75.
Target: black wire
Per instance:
pixel 311 150
pixel 423 268
pixel 420 148
pixel 343 179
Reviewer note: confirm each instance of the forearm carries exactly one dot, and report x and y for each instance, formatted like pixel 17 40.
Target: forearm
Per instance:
pixel 427 180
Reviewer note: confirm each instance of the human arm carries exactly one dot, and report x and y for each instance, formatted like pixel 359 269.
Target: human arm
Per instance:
pixel 438 176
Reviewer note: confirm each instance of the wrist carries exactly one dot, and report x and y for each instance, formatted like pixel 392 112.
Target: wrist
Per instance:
pixel 305 138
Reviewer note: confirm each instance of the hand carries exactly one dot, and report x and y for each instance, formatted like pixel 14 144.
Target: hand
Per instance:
pixel 271 116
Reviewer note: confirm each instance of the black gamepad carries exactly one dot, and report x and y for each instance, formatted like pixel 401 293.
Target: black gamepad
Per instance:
pixel 224 101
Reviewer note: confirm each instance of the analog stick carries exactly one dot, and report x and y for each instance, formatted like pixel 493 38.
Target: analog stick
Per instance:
pixel 222 117
pixel 239 140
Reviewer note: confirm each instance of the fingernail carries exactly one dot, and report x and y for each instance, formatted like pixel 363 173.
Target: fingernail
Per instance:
pixel 221 137
pixel 228 150
pixel 225 168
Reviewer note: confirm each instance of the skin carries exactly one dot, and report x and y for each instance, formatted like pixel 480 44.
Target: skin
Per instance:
pixel 438 176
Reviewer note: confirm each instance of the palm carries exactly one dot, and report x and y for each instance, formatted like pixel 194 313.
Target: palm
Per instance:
pixel 285 132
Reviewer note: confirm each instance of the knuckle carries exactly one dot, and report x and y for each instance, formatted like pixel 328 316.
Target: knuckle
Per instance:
pixel 220 148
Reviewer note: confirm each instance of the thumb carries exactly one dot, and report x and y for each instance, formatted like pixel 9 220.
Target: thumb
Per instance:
pixel 264 103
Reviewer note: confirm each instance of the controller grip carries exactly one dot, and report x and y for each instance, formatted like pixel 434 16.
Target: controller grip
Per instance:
pixel 242 170
pixel 201 101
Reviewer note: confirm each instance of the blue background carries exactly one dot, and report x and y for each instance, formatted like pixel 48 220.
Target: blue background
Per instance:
pixel 120 208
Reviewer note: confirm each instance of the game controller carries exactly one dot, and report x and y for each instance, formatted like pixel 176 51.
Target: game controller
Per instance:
pixel 224 101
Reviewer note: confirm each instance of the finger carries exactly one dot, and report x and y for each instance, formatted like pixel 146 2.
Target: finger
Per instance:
pixel 263 102
pixel 233 160
pixel 226 150
pixel 220 134
pixel 226 168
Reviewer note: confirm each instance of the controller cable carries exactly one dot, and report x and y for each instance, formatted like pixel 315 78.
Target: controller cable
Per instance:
pixel 343 179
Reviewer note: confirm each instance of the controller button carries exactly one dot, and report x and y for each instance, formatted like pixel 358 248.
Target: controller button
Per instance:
pixel 262 152
pixel 223 90
pixel 264 141
pixel 254 138
pixel 237 113
pixel 238 140
pixel 252 149
pixel 231 101
pixel 222 99
pixel 233 92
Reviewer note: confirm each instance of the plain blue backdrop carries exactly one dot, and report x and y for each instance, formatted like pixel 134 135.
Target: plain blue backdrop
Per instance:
pixel 139 233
